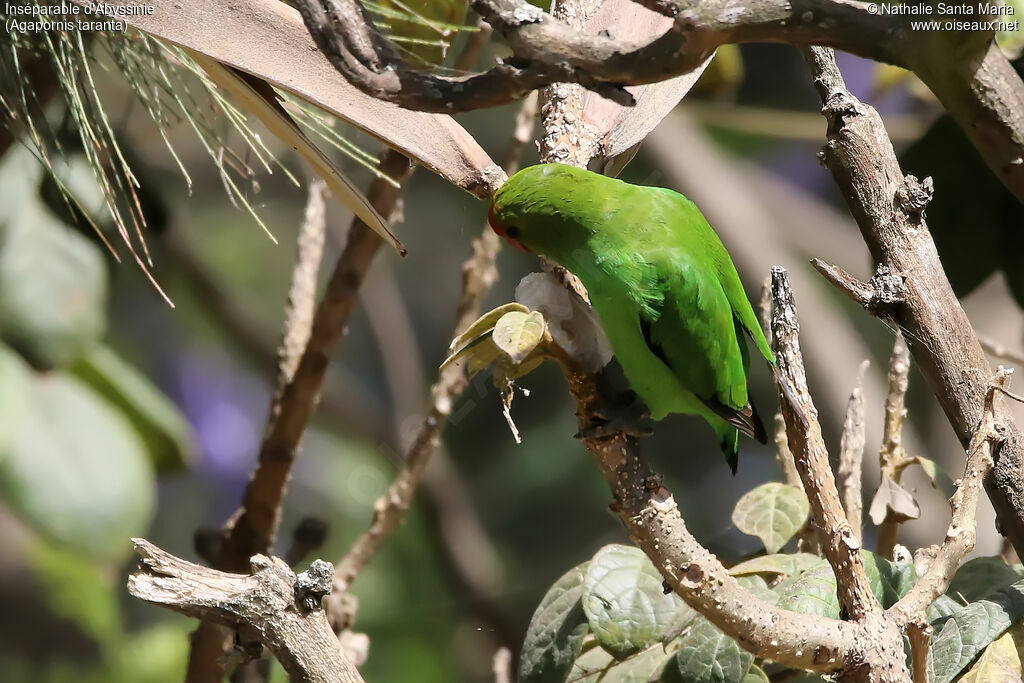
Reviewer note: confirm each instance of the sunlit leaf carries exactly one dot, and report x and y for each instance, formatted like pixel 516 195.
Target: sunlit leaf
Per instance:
pixel 893 499
pixel 625 603
pixel 814 590
pixel 482 326
pixel 1000 662
pixel 518 334
pixel 773 512
pixel 785 565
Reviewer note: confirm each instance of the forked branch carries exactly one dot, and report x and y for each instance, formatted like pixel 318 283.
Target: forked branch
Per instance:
pixel 910 288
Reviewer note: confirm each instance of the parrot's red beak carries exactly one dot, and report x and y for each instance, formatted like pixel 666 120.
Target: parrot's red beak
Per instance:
pixel 502 231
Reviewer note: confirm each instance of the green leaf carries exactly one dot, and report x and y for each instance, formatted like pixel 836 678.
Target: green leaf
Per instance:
pixel 785 565
pixel 167 434
pixel 78 589
pixel 961 637
pixel 53 288
pixel 814 590
pixel 556 631
pixel 773 512
pixel 477 343
pixel 755 675
pixel 75 469
pixel 706 654
pixel 597 665
pixel 982 575
pixel 944 606
pixel 937 475
pixel 759 587
pixel 483 326
pixel 1001 660
pixel 517 334
pixel 624 601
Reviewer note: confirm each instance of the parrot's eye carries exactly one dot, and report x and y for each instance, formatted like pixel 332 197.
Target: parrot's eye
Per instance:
pixel 512 231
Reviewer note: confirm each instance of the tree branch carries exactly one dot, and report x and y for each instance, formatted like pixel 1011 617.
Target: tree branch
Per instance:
pixel 1002 352
pixel 892 457
pixel 851 455
pixel 960 536
pixel 916 296
pixel 966 70
pixel 283 610
pixel 252 528
pixel 841 545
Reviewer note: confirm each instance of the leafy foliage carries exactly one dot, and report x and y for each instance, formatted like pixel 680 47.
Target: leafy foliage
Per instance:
pixel 53 282
pixel 610 619
pixel 773 512
pixel 556 631
pixel 964 635
pixel 77 447
pixel 707 654
pixel 626 607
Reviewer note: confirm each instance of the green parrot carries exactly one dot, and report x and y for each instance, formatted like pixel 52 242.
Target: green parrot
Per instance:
pixel 662 283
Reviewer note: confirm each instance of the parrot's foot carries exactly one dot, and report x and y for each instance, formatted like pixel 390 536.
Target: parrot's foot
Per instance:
pixel 626 414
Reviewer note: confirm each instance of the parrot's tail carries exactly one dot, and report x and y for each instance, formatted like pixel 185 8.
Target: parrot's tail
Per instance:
pixel 729 440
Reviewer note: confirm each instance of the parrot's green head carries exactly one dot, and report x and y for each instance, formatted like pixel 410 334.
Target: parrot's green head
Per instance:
pixel 539 209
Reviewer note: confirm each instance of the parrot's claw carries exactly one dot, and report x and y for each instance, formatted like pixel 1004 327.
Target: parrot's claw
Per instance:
pixel 627 414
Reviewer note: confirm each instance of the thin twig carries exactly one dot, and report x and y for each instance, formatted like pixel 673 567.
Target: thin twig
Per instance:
pixel 205 663
pixel 851 455
pixel 840 543
pixel 479 274
pixel 463 542
pixel 284 610
pixel 892 458
pixel 783 455
pixel 227 312
pixel 1001 351
pixel 967 71
pixel 298 314
pixel 960 535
